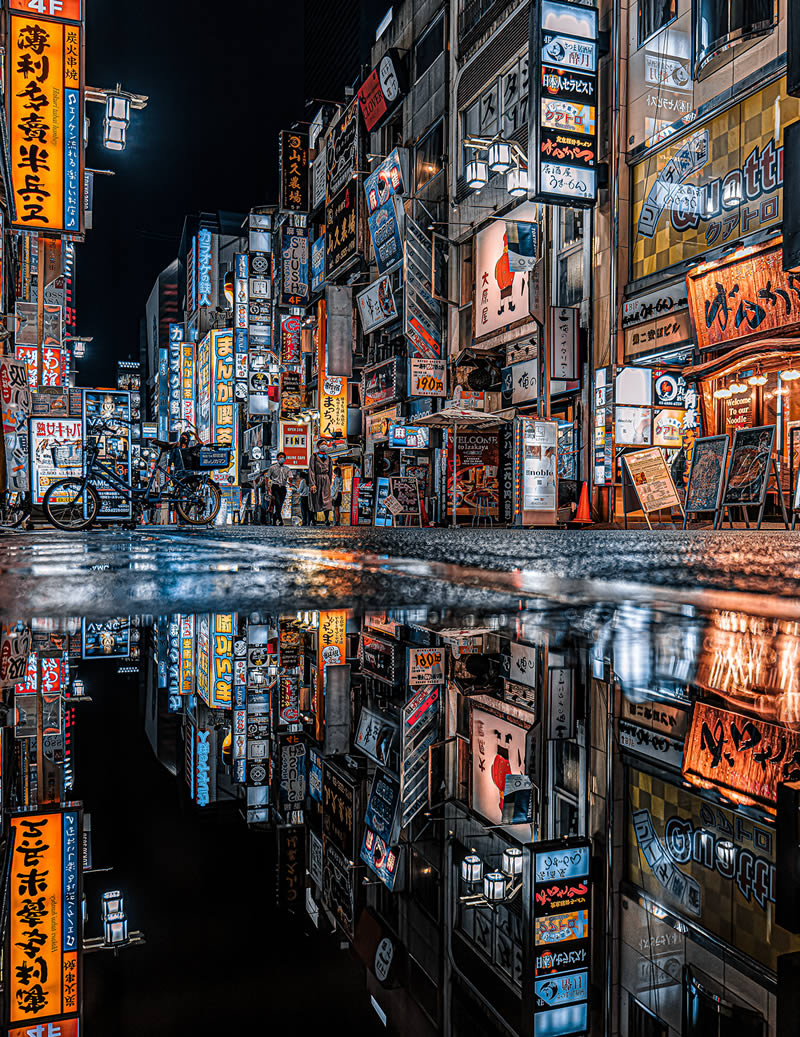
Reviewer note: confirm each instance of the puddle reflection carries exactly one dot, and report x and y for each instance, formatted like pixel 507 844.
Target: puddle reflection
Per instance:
pixel 439 792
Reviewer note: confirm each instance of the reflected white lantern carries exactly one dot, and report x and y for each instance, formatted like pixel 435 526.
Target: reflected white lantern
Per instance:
pixel 512 861
pixel 494 886
pixel 477 175
pixel 500 160
pixel 472 869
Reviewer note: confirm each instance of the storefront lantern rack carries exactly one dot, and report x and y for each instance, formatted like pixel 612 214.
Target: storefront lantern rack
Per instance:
pixel 496 156
pixel 499 886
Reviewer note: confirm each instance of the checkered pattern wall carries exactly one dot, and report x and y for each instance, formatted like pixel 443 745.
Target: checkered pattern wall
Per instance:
pixel 725 891
pixel 680 205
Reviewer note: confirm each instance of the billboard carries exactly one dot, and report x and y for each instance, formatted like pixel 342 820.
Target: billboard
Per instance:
pixel 44 85
pixel 218 414
pixel 56 453
pixel 114 442
pixel 293 152
pixel 44 927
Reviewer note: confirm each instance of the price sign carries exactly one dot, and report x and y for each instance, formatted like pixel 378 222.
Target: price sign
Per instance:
pixel 426 377
pixel 392 505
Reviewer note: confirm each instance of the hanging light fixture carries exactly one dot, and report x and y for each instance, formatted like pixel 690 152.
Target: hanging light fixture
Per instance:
pixel 477 174
pixel 512 861
pixel 722 393
pixel 737 387
pixel 494 887
pixel 790 375
pixel 517 182
pixel 472 869
pixel 500 160
pixel 759 378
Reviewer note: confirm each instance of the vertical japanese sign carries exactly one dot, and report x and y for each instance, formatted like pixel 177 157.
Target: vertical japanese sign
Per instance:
pixel 563 103
pixel 332 395
pixel 15 399
pixel 186 666
pixel 294 266
pixel 203 680
pixel 294 171
pixel 562 938
pixel 241 296
pixel 44 925
pixel 222 629
pixel 175 370
pixel 223 409
pixel 188 374
pixel 206 284
pixel 331 651
pixel 44 86
pixel 563 342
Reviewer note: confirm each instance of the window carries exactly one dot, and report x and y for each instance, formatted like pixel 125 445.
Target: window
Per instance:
pixel 654 15
pixel 643 1023
pixel 425 884
pixel 428 47
pixel 720 26
pixel 501 109
pixel 428 155
pixel 569 258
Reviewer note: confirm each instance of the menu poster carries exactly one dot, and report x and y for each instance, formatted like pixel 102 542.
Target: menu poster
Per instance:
pixel 477 472
pixel 748 473
pixel 651 480
pixel 406 490
pixel 707 474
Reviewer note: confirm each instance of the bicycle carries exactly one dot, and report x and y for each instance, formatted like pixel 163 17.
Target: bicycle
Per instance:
pixel 15 509
pixel 73 504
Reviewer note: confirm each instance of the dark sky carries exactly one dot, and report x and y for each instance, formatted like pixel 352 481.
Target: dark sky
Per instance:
pixel 223 78
pixel 219 958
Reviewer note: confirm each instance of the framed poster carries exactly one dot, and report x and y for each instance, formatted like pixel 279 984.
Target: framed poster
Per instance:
pixel 707 473
pixel 651 480
pixel 748 472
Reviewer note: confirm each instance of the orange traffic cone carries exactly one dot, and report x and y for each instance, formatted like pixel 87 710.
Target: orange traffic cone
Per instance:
pixel 583 516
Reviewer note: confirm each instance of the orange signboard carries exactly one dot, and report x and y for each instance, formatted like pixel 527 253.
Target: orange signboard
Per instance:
pixel 331 651
pixel 63 10
pixel 44 917
pixel 743 298
pixel 44 79
pixel 742 757
pixel 57 1028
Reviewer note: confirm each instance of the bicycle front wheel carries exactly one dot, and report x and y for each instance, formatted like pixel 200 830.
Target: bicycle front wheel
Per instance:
pixel 71 504
pixel 15 509
pixel 200 502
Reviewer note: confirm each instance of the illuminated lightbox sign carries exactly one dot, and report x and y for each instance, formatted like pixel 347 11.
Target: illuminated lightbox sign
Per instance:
pixel 562 937
pixel 563 40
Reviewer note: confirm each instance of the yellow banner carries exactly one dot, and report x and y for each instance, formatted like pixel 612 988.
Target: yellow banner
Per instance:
pixel 45 123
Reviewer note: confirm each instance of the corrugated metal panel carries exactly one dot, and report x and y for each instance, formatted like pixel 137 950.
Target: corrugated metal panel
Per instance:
pixel 488 62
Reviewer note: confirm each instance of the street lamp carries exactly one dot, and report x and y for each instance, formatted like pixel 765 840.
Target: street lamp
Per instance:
pixel 495 155
pixel 117 118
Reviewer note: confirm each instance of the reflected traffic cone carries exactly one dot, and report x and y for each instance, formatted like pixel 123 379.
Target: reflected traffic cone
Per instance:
pixel 583 516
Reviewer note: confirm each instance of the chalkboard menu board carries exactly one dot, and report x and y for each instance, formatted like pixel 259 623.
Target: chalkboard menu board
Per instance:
pixel 707 474
pixel 406 490
pixel 748 472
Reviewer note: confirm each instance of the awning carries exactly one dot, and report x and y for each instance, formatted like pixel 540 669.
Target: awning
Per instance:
pixel 768 351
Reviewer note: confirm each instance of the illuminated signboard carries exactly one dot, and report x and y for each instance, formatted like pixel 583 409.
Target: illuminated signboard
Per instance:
pixel 221 629
pixel 106 639
pixel 44 926
pixel 332 398
pixel 562 937
pixel 294 266
pixel 293 151
pixel 222 409
pixel 206 268
pixel 186 667
pixel 188 376
pixel 114 442
pixel 51 439
pixel 563 103
pixel 44 83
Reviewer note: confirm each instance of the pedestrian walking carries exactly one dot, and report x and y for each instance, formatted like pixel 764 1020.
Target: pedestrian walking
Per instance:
pixel 319 481
pixel 278 476
pixel 303 494
pixel 337 488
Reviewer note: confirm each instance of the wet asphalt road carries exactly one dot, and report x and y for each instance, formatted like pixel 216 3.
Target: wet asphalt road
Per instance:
pixel 160 569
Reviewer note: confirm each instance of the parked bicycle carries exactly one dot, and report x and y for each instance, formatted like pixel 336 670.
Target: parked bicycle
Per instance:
pixel 74 503
pixel 15 509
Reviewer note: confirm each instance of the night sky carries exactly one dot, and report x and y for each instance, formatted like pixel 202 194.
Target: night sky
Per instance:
pixel 223 79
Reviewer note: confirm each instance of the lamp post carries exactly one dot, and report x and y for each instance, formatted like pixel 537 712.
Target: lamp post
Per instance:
pixel 118 104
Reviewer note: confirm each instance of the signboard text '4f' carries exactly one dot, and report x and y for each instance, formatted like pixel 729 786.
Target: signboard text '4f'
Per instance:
pixel 44 80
